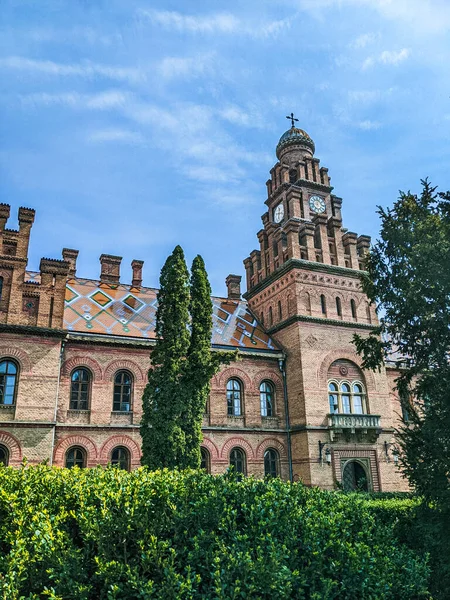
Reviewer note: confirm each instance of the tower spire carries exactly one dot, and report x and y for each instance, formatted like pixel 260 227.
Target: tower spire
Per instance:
pixel 292 119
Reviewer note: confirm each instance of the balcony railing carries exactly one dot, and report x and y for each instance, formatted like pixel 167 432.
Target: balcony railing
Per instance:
pixel 354 422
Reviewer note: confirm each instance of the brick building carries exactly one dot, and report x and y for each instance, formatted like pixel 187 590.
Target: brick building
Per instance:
pixel 74 352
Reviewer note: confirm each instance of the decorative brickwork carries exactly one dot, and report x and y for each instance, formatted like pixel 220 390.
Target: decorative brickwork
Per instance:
pixel 17 354
pixel 13 446
pixel 271 443
pixel 82 361
pixel 82 441
pixel 237 442
pixel 124 365
pixel 211 447
pixel 120 440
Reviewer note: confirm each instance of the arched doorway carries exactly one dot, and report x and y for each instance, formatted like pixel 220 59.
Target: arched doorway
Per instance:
pixel 354 477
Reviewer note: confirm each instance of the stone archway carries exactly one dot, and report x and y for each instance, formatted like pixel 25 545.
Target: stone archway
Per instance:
pixel 355 477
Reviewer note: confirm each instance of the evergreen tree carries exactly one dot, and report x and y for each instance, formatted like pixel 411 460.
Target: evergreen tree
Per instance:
pixel 182 366
pixel 201 362
pixel 408 278
pixel 163 438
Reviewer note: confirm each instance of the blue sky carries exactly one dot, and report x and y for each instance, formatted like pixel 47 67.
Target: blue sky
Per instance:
pixel 132 126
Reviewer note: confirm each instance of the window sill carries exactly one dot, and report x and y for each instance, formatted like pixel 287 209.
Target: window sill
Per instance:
pixel 235 420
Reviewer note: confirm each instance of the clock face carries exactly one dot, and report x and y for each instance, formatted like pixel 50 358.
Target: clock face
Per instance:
pixel 317 204
pixel 278 213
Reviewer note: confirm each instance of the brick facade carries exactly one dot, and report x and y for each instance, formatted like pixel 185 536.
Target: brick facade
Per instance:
pixel 302 286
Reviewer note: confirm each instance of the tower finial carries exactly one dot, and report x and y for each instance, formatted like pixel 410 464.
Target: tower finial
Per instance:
pixel 292 119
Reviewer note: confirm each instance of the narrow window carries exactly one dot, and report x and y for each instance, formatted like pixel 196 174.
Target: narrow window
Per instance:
pixel 275 248
pixel 358 399
pixel 280 311
pixel 333 397
pixel 1 287
pixel 122 391
pixel 353 307
pixel 345 389
pixel 80 389
pixel 293 176
pixel 4 456
pixel 120 456
pixel 234 398
pixel 205 463
pixel 266 397
pixel 338 307
pixel 76 457
pixel 8 382
pixel 237 460
pixel 323 304
pixel 270 316
pixel 271 462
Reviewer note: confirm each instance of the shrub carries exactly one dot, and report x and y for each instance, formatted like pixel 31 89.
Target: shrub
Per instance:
pixel 108 534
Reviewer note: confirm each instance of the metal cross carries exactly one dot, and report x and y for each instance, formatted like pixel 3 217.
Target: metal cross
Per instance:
pixel 291 117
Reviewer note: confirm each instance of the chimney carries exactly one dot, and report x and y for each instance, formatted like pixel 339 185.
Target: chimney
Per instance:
pixel 110 268
pixel 70 256
pixel 4 215
pixel 233 283
pixel 137 265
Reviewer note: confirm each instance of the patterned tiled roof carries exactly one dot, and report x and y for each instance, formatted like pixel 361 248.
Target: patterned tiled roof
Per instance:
pixel 123 310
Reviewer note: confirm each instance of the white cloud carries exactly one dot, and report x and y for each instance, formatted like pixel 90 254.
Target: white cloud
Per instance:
pixel 115 135
pixel 369 96
pixel 364 40
pixel 387 57
pixel 368 125
pixel 171 67
pixel 86 69
pixel 215 23
pixel 102 101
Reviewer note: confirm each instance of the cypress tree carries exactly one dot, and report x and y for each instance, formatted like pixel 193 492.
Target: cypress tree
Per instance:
pixel 201 363
pixel 163 439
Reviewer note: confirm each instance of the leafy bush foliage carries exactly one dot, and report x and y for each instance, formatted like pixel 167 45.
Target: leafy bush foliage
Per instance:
pixel 108 534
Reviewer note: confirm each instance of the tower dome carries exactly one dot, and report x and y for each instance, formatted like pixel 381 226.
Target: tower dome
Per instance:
pixel 294 137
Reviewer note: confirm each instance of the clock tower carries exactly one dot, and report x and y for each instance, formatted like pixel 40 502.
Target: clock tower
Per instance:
pixel 303 284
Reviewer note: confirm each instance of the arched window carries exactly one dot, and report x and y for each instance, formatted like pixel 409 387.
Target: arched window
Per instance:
pixel 8 382
pixel 123 383
pixel 76 457
pixel 271 463
pixel 234 398
pixel 353 307
pixel 345 397
pixel 368 313
pixel 323 304
pixel 338 306
pixel 270 316
pixel 280 311
pixel 120 456
pixel 4 455
pixel 266 396
pixel 1 287
pixel 292 176
pixel 80 388
pixel 205 462
pixel 237 460
pixel 354 477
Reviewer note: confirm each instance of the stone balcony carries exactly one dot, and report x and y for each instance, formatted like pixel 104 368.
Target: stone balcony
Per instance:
pixel 362 426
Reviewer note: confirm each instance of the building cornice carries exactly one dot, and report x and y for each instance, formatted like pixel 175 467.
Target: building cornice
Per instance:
pixel 306 265
pixel 32 330
pixel 320 321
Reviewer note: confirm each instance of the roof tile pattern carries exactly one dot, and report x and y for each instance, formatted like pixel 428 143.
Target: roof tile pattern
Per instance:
pixel 123 310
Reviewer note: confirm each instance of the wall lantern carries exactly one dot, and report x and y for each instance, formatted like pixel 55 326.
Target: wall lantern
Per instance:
pixel 327 453
pixel 395 452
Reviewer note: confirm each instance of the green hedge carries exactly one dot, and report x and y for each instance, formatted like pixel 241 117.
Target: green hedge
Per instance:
pixel 108 534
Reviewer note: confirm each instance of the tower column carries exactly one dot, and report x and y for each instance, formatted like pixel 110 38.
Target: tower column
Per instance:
pixel 336 227
pixel 349 241
pixel 320 222
pixel 307 230
pixel 293 245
